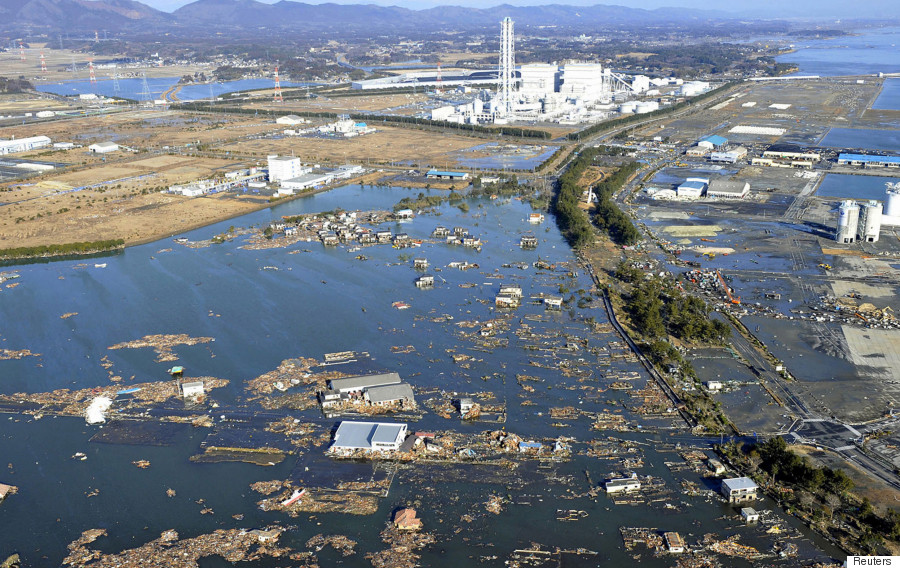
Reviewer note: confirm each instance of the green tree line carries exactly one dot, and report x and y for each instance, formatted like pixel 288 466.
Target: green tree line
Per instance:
pixel 62 249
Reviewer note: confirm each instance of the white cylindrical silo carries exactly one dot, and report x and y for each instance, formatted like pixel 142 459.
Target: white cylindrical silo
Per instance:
pixel 848 222
pixel 870 221
pixel 892 201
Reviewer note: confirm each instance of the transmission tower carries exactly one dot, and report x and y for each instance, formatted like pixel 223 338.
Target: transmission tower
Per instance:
pixel 507 69
pixel 43 64
pixel 115 78
pixel 145 88
pixel 278 98
pixel 22 51
pixel 93 77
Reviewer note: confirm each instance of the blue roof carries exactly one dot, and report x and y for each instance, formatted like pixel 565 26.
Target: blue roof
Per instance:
pixel 445 173
pixel 715 140
pixel 527 445
pixel 692 185
pixel 869 158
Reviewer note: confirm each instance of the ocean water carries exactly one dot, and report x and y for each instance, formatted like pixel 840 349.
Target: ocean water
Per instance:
pixel 854 187
pixel 324 300
pixel 132 88
pixel 862 139
pixel 889 99
pixel 868 52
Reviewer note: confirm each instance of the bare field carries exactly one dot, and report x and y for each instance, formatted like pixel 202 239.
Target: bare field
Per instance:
pixel 347 104
pixel 135 218
pixel 59 65
pixel 144 129
pixel 387 145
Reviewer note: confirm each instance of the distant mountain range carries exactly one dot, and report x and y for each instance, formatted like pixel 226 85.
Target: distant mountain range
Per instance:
pixel 113 15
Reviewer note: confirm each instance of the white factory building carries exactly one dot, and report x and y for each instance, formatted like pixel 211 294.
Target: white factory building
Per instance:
pixel 285 167
pixel 23 144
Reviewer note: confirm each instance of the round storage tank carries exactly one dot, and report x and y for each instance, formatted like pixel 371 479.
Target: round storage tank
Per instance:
pixel 848 222
pixel 871 221
pixel 892 204
pixel 628 107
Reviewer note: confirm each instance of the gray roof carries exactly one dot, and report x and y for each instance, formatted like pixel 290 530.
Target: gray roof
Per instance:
pixel 727 186
pixel 364 382
pixel 389 393
pixel 361 435
pixel 737 483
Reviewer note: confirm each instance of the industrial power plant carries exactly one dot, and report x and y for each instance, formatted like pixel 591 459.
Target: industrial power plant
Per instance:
pixel 863 222
pixel 570 93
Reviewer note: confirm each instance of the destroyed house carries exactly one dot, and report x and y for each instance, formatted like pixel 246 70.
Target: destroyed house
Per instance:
pixel 528 241
pixel 425 281
pixel 401 393
pixel 192 389
pixel 623 485
pixel 368 436
pixel 406 520
pixel 4 491
pixel 440 231
pixel 383 236
pixel 674 542
pixel 739 489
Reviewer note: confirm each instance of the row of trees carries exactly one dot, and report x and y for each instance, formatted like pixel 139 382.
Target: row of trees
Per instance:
pixel 88 247
pixel 572 220
pixel 462 128
pixel 626 120
pixel 608 217
pixel 658 313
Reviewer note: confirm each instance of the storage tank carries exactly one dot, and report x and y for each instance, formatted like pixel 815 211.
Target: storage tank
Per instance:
pixel 892 201
pixel 870 221
pixel 848 222
pixel 628 107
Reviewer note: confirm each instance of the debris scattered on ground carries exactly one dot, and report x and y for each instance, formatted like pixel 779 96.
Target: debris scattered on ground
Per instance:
pixel 234 545
pixel 163 344
pixel 341 543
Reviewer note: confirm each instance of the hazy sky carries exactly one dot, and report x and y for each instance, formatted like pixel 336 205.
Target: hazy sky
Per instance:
pixel 818 9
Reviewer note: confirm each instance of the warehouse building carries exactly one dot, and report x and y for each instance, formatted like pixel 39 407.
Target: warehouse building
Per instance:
pixel 727 189
pixel 867 161
pixel 439 174
pixel 285 167
pixel 729 157
pixel 368 436
pixel 711 142
pixel 103 147
pixel 23 144
pixel 790 152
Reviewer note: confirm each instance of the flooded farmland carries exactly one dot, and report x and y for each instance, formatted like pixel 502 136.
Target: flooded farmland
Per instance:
pixel 572 395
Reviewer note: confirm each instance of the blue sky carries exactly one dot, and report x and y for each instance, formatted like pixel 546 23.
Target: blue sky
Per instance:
pixel 833 9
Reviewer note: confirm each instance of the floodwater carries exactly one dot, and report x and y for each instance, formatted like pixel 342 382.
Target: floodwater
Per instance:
pixel 506 158
pixel 889 99
pixel 861 139
pixel 134 87
pixel 320 301
pixel 870 52
pixel 854 187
